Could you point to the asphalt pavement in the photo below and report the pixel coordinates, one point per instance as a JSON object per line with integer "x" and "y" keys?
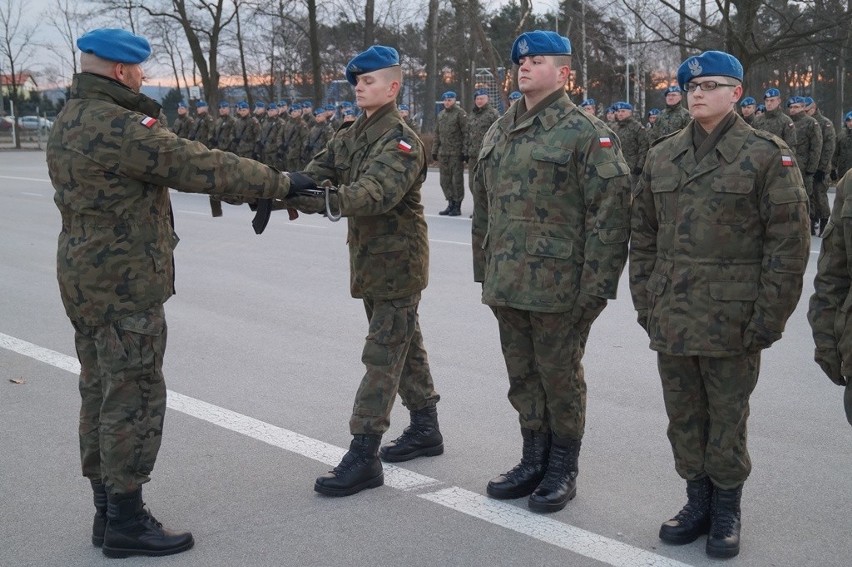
{"x": 262, "y": 365}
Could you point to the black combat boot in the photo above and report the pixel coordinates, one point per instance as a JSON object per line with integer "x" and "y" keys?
{"x": 559, "y": 484}
{"x": 694, "y": 518}
{"x": 359, "y": 469}
{"x": 99, "y": 525}
{"x": 724, "y": 538}
{"x": 449, "y": 208}
{"x": 813, "y": 226}
{"x": 132, "y": 530}
{"x": 420, "y": 439}
{"x": 822, "y": 223}
{"x": 522, "y": 480}
{"x": 456, "y": 209}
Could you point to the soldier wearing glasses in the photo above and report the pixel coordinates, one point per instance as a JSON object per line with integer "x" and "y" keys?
{"x": 719, "y": 246}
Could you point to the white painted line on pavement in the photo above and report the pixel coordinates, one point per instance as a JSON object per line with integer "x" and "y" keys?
{"x": 31, "y": 194}
{"x": 24, "y": 179}
{"x": 450, "y": 242}
{"x": 542, "y": 528}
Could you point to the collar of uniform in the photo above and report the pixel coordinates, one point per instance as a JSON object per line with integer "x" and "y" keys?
{"x": 90, "y": 85}
{"x": 734, "y": 140}
{"x": 548, "y": 113}
{"x": 376, "y": 125}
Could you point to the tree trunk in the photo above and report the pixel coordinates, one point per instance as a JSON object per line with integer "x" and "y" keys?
{"x": 431, "y": 67}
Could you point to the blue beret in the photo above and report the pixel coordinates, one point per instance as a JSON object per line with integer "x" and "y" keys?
{"x": 795, "y": 100}
{"x": 115, "y": 45}
{"x": 709, "y": 63}
{"x": 622, "y": 106}
{"x": 329, "y": 108}
{"x": 654, "y": 112}
{"x": 224, "y": 104}
{"x": 319, "y": 110}
{"x": 242, "y": 105}
{"x": 283, "y": 104}
{"x": 480, "y": 92}
{"x": 295, "y": 106}
{"x": 346, "y": 104}
{"x": 181, "y": 104}
{"x": 848, "y": 116}
{"x": 771, "y": 92}
{"x": 403, "y": 107}
{"x": 349, "y": 112}
{"x": 515, "y": 95}
{"x": 307, "y": 104}
{"x": 259, "y": 104}
{"x": 448, "y": 94}
{"x": 809, "y": 100}
{"x": 588, "y": 102}
{"x": 200, "y": 104}
{"x": 748, "y": 101}
{"x": 539, "y": 42}
{"x": 672, "y": 89}
{"x": 761, "y": 107}
{"x": 375, "y": 58}
{"x": 272, "y": 106}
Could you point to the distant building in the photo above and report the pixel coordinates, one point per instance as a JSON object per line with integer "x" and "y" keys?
{"x": 26, "y": 85}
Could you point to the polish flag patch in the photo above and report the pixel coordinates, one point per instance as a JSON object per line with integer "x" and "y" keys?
{"x": 786, "y": 161}
{"x": 404, "y": 146}
{"x": 148, "y": 122}
{"x": 605, "y": 142}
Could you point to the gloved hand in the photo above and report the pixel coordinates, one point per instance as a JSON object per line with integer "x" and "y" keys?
{"x": 637, "y": 170}
{"x": 434, "y": 157}
{"x": 586, "y": 310}
{"x": 757, "y": 337}
{"x": 834, "y": 175}
{"x": 829, "y": 360}
{"x": 819, "y": 176}
{"x": 308, "y": 204}
{"x": 300, "y": 184}
{"x": 464, "y": 158}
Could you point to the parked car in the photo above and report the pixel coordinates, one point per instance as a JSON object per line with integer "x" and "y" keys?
{"x": 34, "y": 123}
{"x": 5, "y": 123}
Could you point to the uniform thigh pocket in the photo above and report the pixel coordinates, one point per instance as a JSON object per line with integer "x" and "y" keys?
{"x": 139, "y": 343}
{"x": 391, "y": 325}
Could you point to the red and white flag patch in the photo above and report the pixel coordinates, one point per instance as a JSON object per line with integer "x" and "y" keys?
{"x": 605, "y": 142}
{"x": 148, "y": 122}
{"x": 404, "y": 146}
{"x": 786, "y": 161}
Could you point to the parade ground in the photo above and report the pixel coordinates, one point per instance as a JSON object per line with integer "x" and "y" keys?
{"x": 263, "y": 361}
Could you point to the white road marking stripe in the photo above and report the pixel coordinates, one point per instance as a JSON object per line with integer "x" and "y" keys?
{"x": 24, "y": 178}
{"x": 31, "y": 194}
{"x": 548, "y": 530}
{"x": 450, "y": 242}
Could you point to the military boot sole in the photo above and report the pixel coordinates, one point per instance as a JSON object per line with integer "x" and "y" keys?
{"x": 519, "y": 491}
{"x": 685, "y": 537}
{"x": 119, "y": 552}
{"x": 721, "y": 551}
{"x": 390, "y": 457}
{"x": 374, "y": 482}
{"x": 548, "y": 507}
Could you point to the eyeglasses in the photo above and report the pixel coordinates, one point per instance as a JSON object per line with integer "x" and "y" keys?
{"x": 705, "y": 86}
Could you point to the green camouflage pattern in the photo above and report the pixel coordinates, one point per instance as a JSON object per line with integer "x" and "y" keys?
{"x": 379, "y": 165}
{"x": 183, "y": 126}
{"x": 318, "y": 136}
{"x": 291, "y": 139}
{"x": 452, "y": 177}
{"x": 450, "y": 132}
{"x": 111, "y": 174}
{"x": 828, "y": 311}
{"x": 670, "y": 120}
{"x": 808, "y": 143}
{"x": 843, "y": 152}
{"x": 264, "y": 149}
{"x": 777, "y": 123}
{"x": 478, "y": 123}
{"x": 123, "y": 398}
{"x": 408, "y": 122}
{"x": 202, "y": 129}
{"x": 395, "y": 361}
{"x": 706, "y": 400}
{"x": 718, "y": 248}
{"x": 634, "y": 143}
{"x": 551, "y": 210}
{"x": 246, "y": 132}
{"x": 822, "y": 209}
{"x": 223, "y": 134}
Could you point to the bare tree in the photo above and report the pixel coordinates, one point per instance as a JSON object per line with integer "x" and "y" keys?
{"x": 369, "y": 23}
{"x": 431, "y": 66}
{"x": 71, "y": 22}
{"x": 16, "y": 45}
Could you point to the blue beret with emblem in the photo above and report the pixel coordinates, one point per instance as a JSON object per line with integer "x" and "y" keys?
{"x": 761, "y": 108}
{"x": 346, "y": 104}
{"x": 307, "y": 104}
{"x": 375, "y": 58}
{"x": 795, "y": 100}
{"x": 848, "y": 116}
{"x": 588, "y": 102}
{"x": 329, "y": 108}
{"x": 260, "y": 104}
{"x": 200, "y": 104}
{"x": 748, "y": 101}
{"x": 480, "y": 92}
{"x": 181, "y": 104}
{"x": 539, "y": 42}
{"x": 349, "y": 112}
{"x": 654, "y": 112}
{"x": 295, "y": 106}
{"x": 672, "y": 89}
{"x": 709, "y": 64}
{"x": 448, "y": 95}
{"x": 318, "y": 111}
{"x": 272, "y": 106}
{"x": 809, "y": 100}
{"x": 771, "y": 93}
{"x": 116, "y": 45}
{"x": 242, "y": 105}
{"x": 515, "y": 95}
{"x": 224, "y": 104}
{"x": 621, "y": 105}
{"x": 403, "y": 107}
{"x": 283, "y": 104}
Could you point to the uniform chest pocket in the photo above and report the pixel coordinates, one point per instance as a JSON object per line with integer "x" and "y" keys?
{"x": 665, "y": 197}
{"x": 548, "y": 173}
{"x": 732, "y": 199}
{"x": 482, "y": 162}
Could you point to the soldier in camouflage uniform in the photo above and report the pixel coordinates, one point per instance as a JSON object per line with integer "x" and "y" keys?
{"x": 264, "y": 149}
{"x": 829, "y": 319}
{"x": 291, "y": 139}
{"x": 378, "y": 165}
{"x": 203, "y": 125}
{"x": 719, "y": 245}
{"x": 808, "y": 149}
{"x": 246, "y": 131}
{"x": 748, "y": 106}
{"x": 404, "y": 113}
{"x": 674, "y": 116}
{"x": 184, "y": 122}
{"x": 480, "y": 120}
{"x": 774, "y": 121}
{"x": 821, "y": 177}
{"x": 318, "y": 136}
{"x": 223, "y": 134}
{"x": 448, "y": 150}
{"x": 550, "y": 230}
{"x": 633, "y": 137}
{"x": 115, "y": 270}
{"x": 843, "y": 150}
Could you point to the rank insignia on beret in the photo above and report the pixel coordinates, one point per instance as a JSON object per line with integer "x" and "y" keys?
{"x": 605, "y": 142}
{"x": 404, "y": 146}
{"x": 523, "y": 47}
{"x": 148, "y": 122}
{"x": 787, "y": 161}
{"x": 695, "y": 67}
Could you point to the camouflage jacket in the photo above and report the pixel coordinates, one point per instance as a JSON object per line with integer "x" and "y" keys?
{"x": 318, "y": 136}
{"x": 223, "y": 135}
{"x": 634, "y": 143}
{"x": 808, "y": 142}
{"x": 291, "y": 139}
{"x": 183, "y": 126}
{"x": 378, "y": 165}
{"x": 718, "y": 249}
{"x": 246, "y": 132}
{"x": 450, "y": 132}
{"x": 478, "y": 123}
{"x": 111, "y": 166}
{"x": 777, "y": 123}
{"x": 551, "y": 210}
{"x": 408, "y": 122}
{"x": 843, "y": 152}
{"x": 828, "y": 312}
{"x": 829, "y": 141}
{"x": 670, "y": 120}
{"x": 266, "y": 139}
{"x": 202, "y": 129}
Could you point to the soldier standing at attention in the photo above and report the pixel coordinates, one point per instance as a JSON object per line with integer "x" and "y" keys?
{"x": 653, "y": 114}
{"x": 634, "y": 139}
{"x": 480, "y": 120}
{"x": 223, "y": 135}
{"x": 808, "y": 150}
{"x": 832, "y": 290}
{"x": 550, "y": 229}
{"x": 773, "y": 119}
{"x": 184, "y": 122}
{"x": 318, "y": 136}
{"x": 589, "y": 105}
{"x": 843, "y": 151}
{"x": 449, "y": 151}
{"x": 821, "y": 177}
{"x": 674, "y": 116}
{"x": 747, "y": 106}
{"x": 378, "y": 165}
{"x": 115, "y": 270}
{"x": 246, "y": 131}
{"x": 718, "y": 248}
{"x": 203, "y": 126}
{"x": 264, "y": 149}
{"x": 404, "y": 113}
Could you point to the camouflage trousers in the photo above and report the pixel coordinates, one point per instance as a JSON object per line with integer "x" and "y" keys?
{"x": 707, "y": 404}
{"x": 819, "y": 200}
{"x": 543, "y": 354}
{"x": 123, "y": 398}
{"x": 396, "y": 362}
{"x": 452, "y": 177}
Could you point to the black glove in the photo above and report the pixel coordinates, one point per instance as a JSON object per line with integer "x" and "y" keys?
{"x": 834, "y": 175}
{"x": 301, "y": 184}
{"x": 819, "y": 176}
{"x": 464, "y": 158}
{"x": 434, "y": 157}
